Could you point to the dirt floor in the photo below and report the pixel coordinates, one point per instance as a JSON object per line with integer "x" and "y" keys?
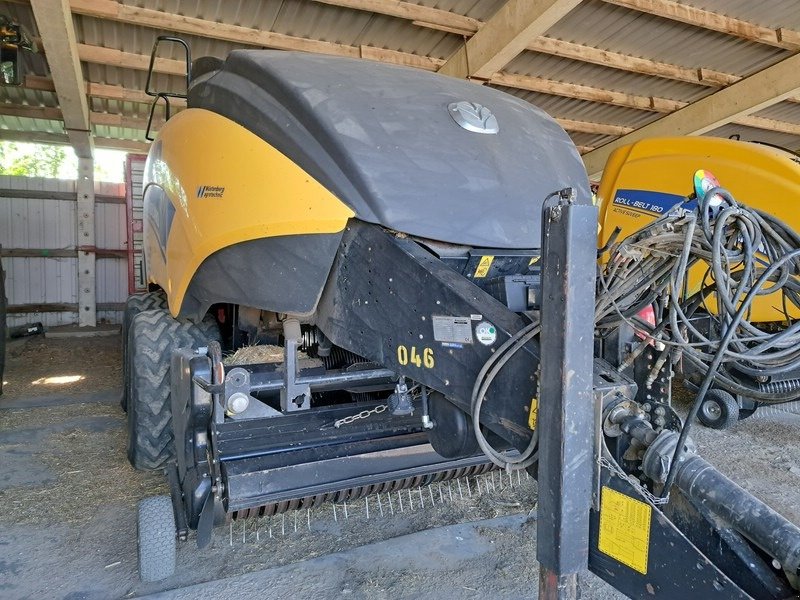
{"x": 68, "y": 525}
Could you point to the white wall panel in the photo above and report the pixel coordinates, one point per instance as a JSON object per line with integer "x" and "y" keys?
{"x": 49, "y": 223}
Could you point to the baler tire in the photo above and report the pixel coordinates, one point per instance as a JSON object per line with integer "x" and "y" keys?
{"x": 719, "y": 409}
{"x": 156, "y": 538}
{"x": 135, "y": 304}
{"x": 154, "y": 334}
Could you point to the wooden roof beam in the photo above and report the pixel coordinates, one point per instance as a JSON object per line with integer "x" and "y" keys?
{"x": 648, "y": 103}
{"x": 43, "y": 137}
{"x": 585, "y": 92}
{"x": 95, "y": 118}
{"x": 443, "y": 20}
{"x": 124, "y": 13}
{"x": 54, "y": 21}
{"x": 683, "y": 13}
{"x": 147, "y": 17}
{"x": 507, "y": 33}
{"x": 424, "y": 16}
{"x": 99, "y": 90}
{"x": 594, "y": 128}
{"x": 765, "y": 88}
{"x": 634, "y": 64}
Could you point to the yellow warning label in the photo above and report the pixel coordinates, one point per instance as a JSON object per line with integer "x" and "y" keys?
{"x": 483, "y": 266}
{"x": 533, "y": 416}
{"x": 624, "y": 529}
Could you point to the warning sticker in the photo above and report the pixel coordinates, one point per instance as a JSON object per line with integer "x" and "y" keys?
{"x": 533, "y": 415}
{"x": 624, "y": 529}
{"x": 455, "y": 330}
{"x": 483, "y": 266}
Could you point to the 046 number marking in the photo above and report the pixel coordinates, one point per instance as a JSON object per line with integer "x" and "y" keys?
{"x": 412, "y": 355}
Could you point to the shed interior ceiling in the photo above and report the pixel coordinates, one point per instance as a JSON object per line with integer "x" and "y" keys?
{"x": 608, "y": 67}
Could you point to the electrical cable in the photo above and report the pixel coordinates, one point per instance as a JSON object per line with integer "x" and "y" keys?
{"x": 489, "y": 372}
{"x": 737, "y": 245}
{"x": 747, "y": 254}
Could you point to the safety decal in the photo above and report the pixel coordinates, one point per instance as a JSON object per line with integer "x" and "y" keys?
{"x": 533, "y": 415}
{"x": 624, "y": 529}
{"x": 483, "y": 266}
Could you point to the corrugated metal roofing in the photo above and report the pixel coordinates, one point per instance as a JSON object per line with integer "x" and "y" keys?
{"x": 594, "y": 23}
{"x": 773, "y": 13}
{"x": 601, "y": 25}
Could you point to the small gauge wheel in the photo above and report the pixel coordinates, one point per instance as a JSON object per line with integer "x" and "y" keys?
{"x": 719, "y": 409}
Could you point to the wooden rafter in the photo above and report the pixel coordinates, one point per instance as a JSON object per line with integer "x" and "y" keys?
{"x": 647, "y": 103}
{"x": 44, "y": 137}
{"x": 129, "y": 60}
{"x": 585, "y": 92}
{"x": 445, "y": 21}
{"x": 536, "y": 84}
{"x": 594, "y": 128}
{"x": 436, "y": 18}
{"x": 118, "y": 120}
{"x": 54, "y": 21}
{"x": 765, "y": 88}
{"x": 633, "y": 64}
{"x": 146, "y": 17}
{"x": 684, "y": 13}
{"x": 98, "y": 90}
{"x": 423, "y": 16}
{"x": 507, "y": 33}
{"x": 95, "y": 117}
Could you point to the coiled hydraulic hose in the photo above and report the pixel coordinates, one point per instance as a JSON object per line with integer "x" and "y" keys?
{"x": 746, "y": 254}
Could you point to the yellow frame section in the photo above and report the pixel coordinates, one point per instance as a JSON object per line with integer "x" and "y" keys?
{"x": 263, "y": 194}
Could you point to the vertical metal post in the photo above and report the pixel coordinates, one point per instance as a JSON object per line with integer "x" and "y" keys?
{"x": 87, "y": 297}
{"x": 565, "y": 413}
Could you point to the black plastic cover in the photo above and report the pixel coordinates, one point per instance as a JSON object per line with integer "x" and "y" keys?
{"x": 382, "y": 139}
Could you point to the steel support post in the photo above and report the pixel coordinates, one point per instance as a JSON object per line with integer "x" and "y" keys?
{"x": 565, "y": 411}
{"x": 87, "y": 297}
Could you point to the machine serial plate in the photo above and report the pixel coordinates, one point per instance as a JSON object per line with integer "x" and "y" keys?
{"x": 453, "y": 330}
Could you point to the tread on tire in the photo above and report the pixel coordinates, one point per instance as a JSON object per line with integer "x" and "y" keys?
{"x": 135, "y": 304}
{"x": 156, "y": 538}
{"x": 154, "y": 334}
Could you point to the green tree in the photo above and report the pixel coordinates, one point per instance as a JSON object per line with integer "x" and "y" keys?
{"x": 31, "y": 161}
{"x": 45, "y": 160}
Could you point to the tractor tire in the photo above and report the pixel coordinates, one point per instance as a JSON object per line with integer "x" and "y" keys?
{"x": 153, "y": 336}
{"x": 156, "y": 534}
{"x": 719, "y": 409}
{"x": 133, "y": 306}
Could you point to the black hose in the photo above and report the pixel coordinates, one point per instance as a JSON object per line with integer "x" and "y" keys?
{"x": 747, "y": 254}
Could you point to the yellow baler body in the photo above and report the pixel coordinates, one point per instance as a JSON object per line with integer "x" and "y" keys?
{"x": 225, "y": 185}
